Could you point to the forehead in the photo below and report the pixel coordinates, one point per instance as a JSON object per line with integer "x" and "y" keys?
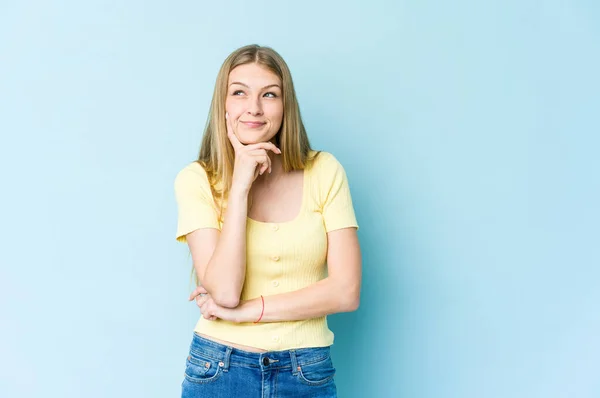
{"x": 253, "y": 75}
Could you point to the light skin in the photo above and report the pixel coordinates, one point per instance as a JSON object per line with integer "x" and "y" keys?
{"x": 254, "y": 95}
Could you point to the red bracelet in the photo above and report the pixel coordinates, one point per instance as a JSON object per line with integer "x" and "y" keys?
{"x": 263, "y": 309}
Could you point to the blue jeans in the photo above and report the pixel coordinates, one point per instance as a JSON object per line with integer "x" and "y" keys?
{"x": 215, "y": 370}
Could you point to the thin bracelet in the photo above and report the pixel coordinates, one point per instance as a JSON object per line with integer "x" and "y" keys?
{"x": 263, "y": 309}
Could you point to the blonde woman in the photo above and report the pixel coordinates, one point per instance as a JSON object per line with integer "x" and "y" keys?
{"x": 272, "y": 234}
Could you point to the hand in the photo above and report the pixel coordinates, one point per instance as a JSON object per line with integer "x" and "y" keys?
{"x": 250, "y": 160}
{"x": 246, "y": 311}
{"x": 208, "y": 308}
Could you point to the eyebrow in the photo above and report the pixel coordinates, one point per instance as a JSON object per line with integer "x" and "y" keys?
{"x": 245, "y": 85}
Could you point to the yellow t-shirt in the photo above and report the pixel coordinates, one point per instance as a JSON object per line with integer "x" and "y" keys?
{"x": 280, "y": 257}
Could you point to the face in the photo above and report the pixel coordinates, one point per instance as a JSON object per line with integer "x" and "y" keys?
{"x": 254, "y": 103}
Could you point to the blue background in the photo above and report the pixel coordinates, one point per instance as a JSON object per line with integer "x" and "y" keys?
{"x": 469, "y": 132}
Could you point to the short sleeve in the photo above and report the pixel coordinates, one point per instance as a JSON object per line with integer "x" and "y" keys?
{"x": 195, "y": 205}
{"x": 338, "y": 211}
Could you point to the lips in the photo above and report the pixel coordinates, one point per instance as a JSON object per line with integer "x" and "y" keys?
{"x": 253, "y": 124}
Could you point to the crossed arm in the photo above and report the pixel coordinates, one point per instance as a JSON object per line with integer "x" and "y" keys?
{"x": 218, "y": 297}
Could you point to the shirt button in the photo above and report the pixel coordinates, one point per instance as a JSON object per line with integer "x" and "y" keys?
{"x": 275, "y": 227}
{"x": 275, "y": 283}
{"x": 275, "y": 338}
{"x": 275, "y": 258}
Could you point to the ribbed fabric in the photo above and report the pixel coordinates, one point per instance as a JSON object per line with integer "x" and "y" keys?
{"x": 280, "y": 257}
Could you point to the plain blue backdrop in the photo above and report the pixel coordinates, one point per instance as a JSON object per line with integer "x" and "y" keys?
{"x": 469, "y": 132}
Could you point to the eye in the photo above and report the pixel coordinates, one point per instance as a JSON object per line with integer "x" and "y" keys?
{"x": 271, "y": 93}
{"x": 237, "y": 92}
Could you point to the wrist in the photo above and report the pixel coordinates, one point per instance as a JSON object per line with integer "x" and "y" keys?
{"x": 238, "y": 192}
{"x": 262, "y": 309}
{"x": 251, "y": 310}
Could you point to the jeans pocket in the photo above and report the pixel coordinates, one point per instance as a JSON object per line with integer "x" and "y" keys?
{"x": 201, "y": 369}
{"x": 316, "y": 373}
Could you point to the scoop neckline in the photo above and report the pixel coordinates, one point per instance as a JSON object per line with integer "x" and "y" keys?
{"x": 302, "y": 204}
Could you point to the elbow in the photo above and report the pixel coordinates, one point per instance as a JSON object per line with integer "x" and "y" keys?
{"x": 222, "y": 296}
{"x": 347, "y": 295}
{"x": 350, "y": 301}
{"x": 351, "y": 305}
{"x": 226, "y": 300}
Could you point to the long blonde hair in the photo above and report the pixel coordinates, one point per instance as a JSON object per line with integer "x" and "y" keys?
{"x": 216, "y": 154}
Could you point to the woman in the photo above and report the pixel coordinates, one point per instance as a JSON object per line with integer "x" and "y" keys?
{"x": 272, "y": 233}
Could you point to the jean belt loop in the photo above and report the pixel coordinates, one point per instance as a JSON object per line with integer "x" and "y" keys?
{"x": 227, "y": 359}
{"x": 294, "y": 362}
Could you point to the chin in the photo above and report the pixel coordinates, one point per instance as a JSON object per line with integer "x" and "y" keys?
{"x": 248, "y": 140}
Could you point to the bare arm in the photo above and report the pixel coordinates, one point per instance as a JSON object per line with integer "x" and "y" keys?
{"x": 339, "y": 292}
{"x": 220, "y": 257}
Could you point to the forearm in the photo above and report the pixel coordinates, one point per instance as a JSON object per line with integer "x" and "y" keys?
{"x": 225, "y": 272}
{"x": 322, "y": 298}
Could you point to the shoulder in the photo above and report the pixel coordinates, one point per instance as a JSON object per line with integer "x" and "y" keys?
{"x": 327, "y": 174}
{"x": 322, "y": 160}
{"x": 192, "y": 173}
{"x": 325, "y": 164}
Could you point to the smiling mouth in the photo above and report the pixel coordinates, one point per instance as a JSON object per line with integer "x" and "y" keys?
{"x": 254, "y": 124}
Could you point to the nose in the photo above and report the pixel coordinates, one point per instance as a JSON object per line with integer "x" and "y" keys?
{"x": 255, "y": 107}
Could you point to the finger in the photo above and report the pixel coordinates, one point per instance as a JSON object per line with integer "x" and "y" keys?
{"x": 200, "y": 300}
{"x": 266, "y": 165}
{"x": 206, "y": 303}
{"x": 262, "y": 166}
{"x": 268, "y": 146}
{"x": 207, "y": 314}
{"x": 198, "y": 290}
{"x": 235, "y": 142}
{"x": 204, "y": 309}
{"x": 193, "y": 295}
{"x": 212, "y": 314}
{"x": 262, "y": 158}
{"x": 200, "y": 303}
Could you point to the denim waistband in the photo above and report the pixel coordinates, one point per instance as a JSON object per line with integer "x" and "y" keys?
{"x": 292, "y": 358}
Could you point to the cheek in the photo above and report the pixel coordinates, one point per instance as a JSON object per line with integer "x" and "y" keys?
{"x": 276, "y": 112}
{"x": 233, "y": 108}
